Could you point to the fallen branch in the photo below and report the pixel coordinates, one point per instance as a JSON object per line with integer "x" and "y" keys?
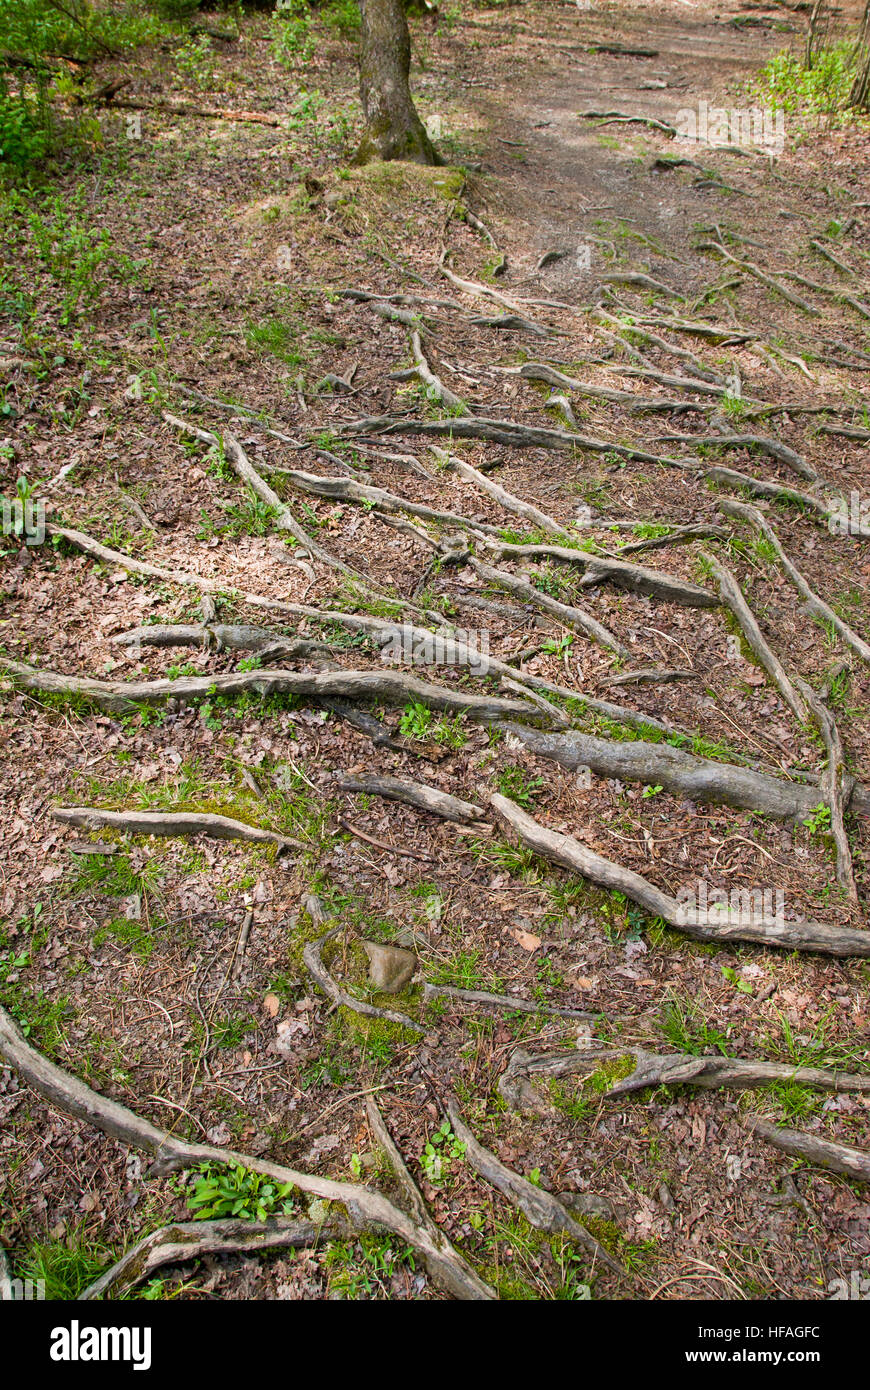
{"x": 823, "y": 1153}
{"x": 383, "y": 844}
{"x": 169, "y": 824}
{"x": 651, "y": 675}
{"x": 183, "y": 108}
{"x": 806, "y": 935}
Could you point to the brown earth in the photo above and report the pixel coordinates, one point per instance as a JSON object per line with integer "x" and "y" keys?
{"x": 124, "y": 966}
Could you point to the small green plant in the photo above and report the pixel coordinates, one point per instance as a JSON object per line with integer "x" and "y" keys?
{"x": 416, "y": 721}
{"x": 292, "y": 40}
{"x": 818, "y": 822}
{"x": 730, "y": 974}
{"x": 65, "y": 1267}
{"x": 194, "y": 62}
{"x": 516, "y": 783}
{"x": 558, "y": 646}
{"x": 236, "y": 1191}
{"x": 441, "y": 1150}
{"x": 685, "y": 1028}
{"x": 652, "y": 791}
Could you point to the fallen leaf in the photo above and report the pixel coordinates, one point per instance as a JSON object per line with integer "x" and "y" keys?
{"x": 271, "y": 1004}
{"x": 526, "y": 939}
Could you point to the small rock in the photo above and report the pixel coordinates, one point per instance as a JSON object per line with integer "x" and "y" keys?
{"x": 390, "y": 969}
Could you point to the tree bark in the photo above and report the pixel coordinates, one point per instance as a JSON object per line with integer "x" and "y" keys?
{"x": 860, "y": 93}
{"x": 393, "y": 128}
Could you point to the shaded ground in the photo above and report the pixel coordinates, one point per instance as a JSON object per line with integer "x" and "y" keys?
{"x": 239, "y": 242}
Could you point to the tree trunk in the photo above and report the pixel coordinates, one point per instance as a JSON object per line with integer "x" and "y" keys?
{"x": 393, "y": 128}
{"x": 860, "y": 93}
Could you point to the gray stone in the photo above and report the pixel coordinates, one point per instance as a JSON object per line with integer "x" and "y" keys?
{"x": 390, "y": 969}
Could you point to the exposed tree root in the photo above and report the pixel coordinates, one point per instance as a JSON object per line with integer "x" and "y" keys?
{"x": 568, "y": 614}
{"x": 771, "y": 447}
{"x": 728, "y": 925}
{"x": 540, "y": 1208}
{"x": 823, "y": 1153}
{"x": 506, "y": 499}
{"x": 182, "y": 1241}
{"x": 169, "y": 824}
{"x": 636, "y": 578}
{"x": 98, "y": 551}
{"x": 812, "y": 602}
{"x": 775, "y": 491}
{"x": 751, "y": 269}
{"x": 506, "y": 432}
{"x": 340, "y": 997}
{"x": 677, "y": 535}
{"x": 662, "y": 1069}
{"x": 514, "y": 323}
{"x": 467, "y": 1284}
{"x": 348, "y": 489}
{"x": 417, "y": 794}
{"x": 284, "y": 518}
{"x": 433, "y": 383}
{"x": 621, "y": 118}
{"x": 230, "y": 636}
{"x": 387, "y": 686}
{"x": 366, "y": 1209}
{"x": 635, "y": 280}
{"x": 831, "y": 786}
{"x": 731, "y": 595}
{"x": 685, "y": 774}
{"x": 502, "y": 1001}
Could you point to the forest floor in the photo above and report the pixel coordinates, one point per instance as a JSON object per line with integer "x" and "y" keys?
{"x": 199, "y": 267}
